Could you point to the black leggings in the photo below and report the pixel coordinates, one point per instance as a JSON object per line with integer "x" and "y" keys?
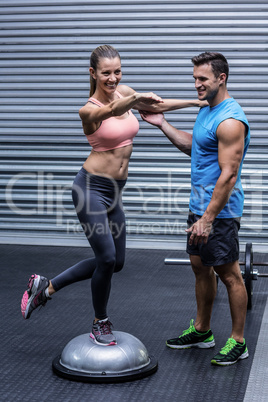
{"x": 98, "y": 204}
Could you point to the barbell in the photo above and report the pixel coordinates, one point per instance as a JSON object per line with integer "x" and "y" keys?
{"x": 249, "y": 274}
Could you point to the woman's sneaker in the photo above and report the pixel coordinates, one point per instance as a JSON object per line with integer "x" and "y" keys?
{"x": 102, "y": 333}
{"x": 190, "y": 338}
{"x": 35, "y": 295}
{"x": 231, "y": 353}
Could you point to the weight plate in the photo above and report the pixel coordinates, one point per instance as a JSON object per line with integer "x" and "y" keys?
{"x": 248, "y": 275}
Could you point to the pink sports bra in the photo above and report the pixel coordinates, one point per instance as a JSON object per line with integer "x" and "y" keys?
{"x": 113, "y": 132}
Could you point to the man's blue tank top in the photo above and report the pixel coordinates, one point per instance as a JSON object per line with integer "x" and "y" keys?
{"x": 205, "y": 169}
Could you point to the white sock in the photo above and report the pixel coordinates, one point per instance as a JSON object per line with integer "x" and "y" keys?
{"x": 46, "y": 293}
{"x": 104, "y": 320}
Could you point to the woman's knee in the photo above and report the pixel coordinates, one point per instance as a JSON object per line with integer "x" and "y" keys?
{"x": 119, "y": 264}
{"x": 106, "y": 261}
{"x": 110, "y": 263}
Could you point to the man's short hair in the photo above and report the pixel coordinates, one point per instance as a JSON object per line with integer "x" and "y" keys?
{"x": 217, "y": 61}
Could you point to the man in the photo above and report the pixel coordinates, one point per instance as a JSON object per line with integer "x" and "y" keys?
{"x": 217, "y": 148}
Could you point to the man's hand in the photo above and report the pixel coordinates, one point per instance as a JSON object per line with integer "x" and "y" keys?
{"x": 200, "y": 231}
{"x": 156, "y": 119}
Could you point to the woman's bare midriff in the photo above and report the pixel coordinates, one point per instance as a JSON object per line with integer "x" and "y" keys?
{"x": 113, "y": 163}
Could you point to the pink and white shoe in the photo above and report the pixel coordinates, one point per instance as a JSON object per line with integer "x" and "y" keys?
{"x": 102, "y": 333}
{"x": 35, "y": 295}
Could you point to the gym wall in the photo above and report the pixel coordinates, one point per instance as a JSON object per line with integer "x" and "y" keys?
{"x": 45, "y": 49}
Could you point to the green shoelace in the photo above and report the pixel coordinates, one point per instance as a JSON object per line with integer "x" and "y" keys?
{"x": 189, "y": 330}
{"x": 230, "y": 344}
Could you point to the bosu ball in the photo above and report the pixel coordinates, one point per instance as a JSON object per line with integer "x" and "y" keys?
{"x": 84, "y": 360}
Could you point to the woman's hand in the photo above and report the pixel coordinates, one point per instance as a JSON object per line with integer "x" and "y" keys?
{"x": 202, "y": 103}
{"x": 148, "y": 98}
{"x": 156, "y": 119}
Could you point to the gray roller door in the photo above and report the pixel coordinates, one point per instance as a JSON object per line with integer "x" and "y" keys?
{"x": 45, "y": 48}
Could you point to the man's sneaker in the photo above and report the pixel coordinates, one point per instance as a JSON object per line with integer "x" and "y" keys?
{"x": 190, "y": 338}
{"x": 102, "y": 333}
{"x": 34, "y": 296}
{"x": 231, "y": 353}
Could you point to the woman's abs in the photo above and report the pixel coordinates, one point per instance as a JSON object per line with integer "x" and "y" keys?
{"x": 113, "y": 163}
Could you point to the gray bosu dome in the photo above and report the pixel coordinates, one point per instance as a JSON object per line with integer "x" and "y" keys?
{"x": 83, "y": 360}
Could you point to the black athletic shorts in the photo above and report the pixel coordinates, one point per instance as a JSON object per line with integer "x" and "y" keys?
{"x": 223, "y": 244}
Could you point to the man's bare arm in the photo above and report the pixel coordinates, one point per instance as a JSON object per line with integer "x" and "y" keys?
{"x": 181, "y": 139}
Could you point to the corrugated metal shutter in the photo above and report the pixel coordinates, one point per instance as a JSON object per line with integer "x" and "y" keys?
{"x": 45, "y": 48}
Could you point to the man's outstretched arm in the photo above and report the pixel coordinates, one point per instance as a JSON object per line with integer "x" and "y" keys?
{"x": 181, "y": 139}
